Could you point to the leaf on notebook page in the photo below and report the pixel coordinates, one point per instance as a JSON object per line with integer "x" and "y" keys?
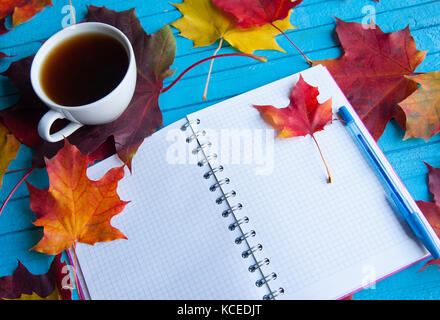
{"x": 9, "y": 146}
{"x": 24, "y": 285}
{"x": 431, "y": 210}
{"x": 257, "y": 13}
{"x": 422, "y": 108}
{"x": 21, "y": 10}
{"x": 372, "y": 72}
{"x": 74, "y": 208}
{"x": 154, "y": 55}
{"x": 304, "y": 115}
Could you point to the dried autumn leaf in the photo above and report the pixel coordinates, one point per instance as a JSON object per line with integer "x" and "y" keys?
{"x": 431, "y": 210}
{"x": 9, "y": 146}
{"x": 372, "y": 72}
{"x": 204, "y": 24}
{"x": 422, "y": 108}
{"x": 433, "y": 262}
{"x": 22, "y": 118}
{"x": 3, "y": 28}
{"x": 25, "y": 285}
{"x": 260, "y": 13}
{"x": 257, "y": 13}
{"x": 304, "y": 115}
{"x": 53, "y": 296}
{"x": 432, "y": 213}
{"x": 74, "y": 208}
{"x": 21, "y": 10}
{"x": 154, "y": 55}
{"x": 434, "y": 183}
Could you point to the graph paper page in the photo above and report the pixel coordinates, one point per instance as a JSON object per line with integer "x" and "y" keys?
{"x": 322, "y": 240}
{"x": 179, "y": 245}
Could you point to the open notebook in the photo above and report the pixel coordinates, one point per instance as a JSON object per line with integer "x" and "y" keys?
{"x": 299, "y": 235}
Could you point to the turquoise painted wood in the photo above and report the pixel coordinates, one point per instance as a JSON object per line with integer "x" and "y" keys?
{"x": 315, "y": 35}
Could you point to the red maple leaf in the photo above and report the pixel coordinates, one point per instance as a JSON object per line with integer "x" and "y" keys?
{"x": 434, "y": 183}
{"x": 256, "y": 13}
{"x": 3, "y": 28}
{"x": 22, "y": 282}
{"x": 372, "y": 71}
{"x": 431, "y": 210}
{"x": 304, "y": 115}
{"x": 154, "y": 55}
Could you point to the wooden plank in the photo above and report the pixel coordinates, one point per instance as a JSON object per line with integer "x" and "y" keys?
{"x": 158, "y": 13}
{"x": 16, "y": 246}
{"x": 406, "y": 285}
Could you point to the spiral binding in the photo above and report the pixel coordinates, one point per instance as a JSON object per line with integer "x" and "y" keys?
{"x": 244, "y": 237}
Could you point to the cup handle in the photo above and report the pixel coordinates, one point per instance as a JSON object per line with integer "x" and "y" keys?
{"x": 46, "y": 123}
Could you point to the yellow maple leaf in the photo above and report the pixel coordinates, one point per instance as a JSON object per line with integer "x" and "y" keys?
{"x": 204, "y": 24}
{"x": 9, "y": 146}
{"x": 53, "y": 296}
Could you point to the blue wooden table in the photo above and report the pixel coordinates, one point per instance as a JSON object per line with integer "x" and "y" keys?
{"x": 315, "y": 35}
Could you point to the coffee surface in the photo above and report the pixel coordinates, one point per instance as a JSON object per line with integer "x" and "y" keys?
{"x": 83, "y": 69}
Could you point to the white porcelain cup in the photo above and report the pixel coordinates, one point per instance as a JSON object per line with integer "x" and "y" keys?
{"x": 104, "y": 110}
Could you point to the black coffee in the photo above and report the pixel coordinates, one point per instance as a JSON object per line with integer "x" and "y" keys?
{"x": 83, "y": 69}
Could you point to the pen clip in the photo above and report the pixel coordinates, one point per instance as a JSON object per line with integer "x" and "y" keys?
{"x": 345, "y": 114}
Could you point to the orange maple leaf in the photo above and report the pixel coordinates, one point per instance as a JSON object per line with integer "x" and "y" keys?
{"x": 422, "y": 107}
{"x": 22, "y": 10}
{"x": 304, "y": 115}
{"x": 74, "y": 208}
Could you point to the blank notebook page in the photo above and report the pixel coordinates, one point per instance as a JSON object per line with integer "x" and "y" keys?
{"x": 323, "y": 240}
{"x": 178, "y": 245}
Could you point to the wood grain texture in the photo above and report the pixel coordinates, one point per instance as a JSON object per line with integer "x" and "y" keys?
{"x": 315, "y": 35}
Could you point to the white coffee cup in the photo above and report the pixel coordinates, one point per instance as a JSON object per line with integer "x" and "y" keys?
{"x": 104, "y": 110}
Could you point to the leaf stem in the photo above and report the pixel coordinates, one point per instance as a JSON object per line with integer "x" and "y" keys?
{"x": 253, "y": 56}
{"x": 299, "y": 50}
{"x": 72, "y": 12}
{"x": 15, "y": 189}
{"x": 210, "y": 70}
{"x": 18, "y": 170}
{"x": 323, "y": 160}
{"x": 75, "y": 263}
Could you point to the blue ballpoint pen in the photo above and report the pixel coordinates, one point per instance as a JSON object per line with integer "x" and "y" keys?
{"x": 418, "y": 224}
